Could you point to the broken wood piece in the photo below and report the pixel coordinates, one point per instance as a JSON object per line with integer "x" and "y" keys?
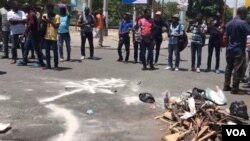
{"x": 166, "y": 121}
{"x": 207, "y": 136}
{"x": 168, "y": 115}
{"x": 202, "y": 131}
{"x": 174, "y": 125}
{"x": 172, "y": 137}
{"x": 160, "y": 116}
{"x": 184, "y": 134}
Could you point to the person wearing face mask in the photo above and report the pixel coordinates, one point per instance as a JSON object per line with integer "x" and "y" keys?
{"x": 175, "y": 31}
{"x": 198, "y": 30}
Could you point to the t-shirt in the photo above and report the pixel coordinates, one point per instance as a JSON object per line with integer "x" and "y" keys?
{"x": 51, "y": 33}
{"x": 64, "y": 25}
{"x": 125, "y": 27}
{"x": 197, "y": 33}
{"x": 88, "y": 20}
{"x": 237, "y": 30}
{"x": 18, "y": 28}
{"x": 100, "y": 21}
{"x": 32, "y": 26}
{"x": 157, "y": 29}
{"x": 146, "y": 27}
{"x": 4, "y": 20}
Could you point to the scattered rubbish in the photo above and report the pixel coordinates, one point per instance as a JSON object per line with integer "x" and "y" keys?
{"x": 198, "y": 115}
{"x": 4, "y": 127}
{"x": 146, "y": 98}
{"x": 89, "y": 112}
{"x": 152, "y": 106}
{"x": 139, "y": 83}
{"x": 115, "y": 91}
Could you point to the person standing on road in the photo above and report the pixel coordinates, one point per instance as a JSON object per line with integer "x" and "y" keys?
{"x": 136, "y": 39}
{"x": 5, "y": 27}
{"x": 86, "y": 22}
{"x": 158, "y": 25}
{"x": 215, "y": 31}
{"x": 17, "y": 19}
{"x": 100, "y": 26}
{"x": 147, "y": 43}
{"x": 124, "y": 39}
{"x": 52, "y": 21}
{"x": 175, "y": 31}
{"x": 32, "y": 37}
{"x": 63, "y": 33}
{"x": 237, "y": 31}
{"x": 198, "y": 30}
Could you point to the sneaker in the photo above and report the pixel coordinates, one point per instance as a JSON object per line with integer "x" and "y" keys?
{"x": 168, "y": 68}
{"x": 152, "y": 68}
{"x": 217, "y": 71}
{"x": 176, "y": 69}
{"x": 119, "y": 60}
{"x": 61, "y": 59}
{"x": 83, "y": 57}
{"x": 198, "y": 70}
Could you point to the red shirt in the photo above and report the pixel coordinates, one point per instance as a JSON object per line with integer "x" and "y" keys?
{"x": 32, "y": 25}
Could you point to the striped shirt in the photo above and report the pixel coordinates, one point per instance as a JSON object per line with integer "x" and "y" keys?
{"x": 197, "y": 33}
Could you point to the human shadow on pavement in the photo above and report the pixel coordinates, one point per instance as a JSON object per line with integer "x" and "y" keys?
{"x": 94, "y": 58}
{"x": 64, "y": 68}
{"x": 2, "y": 72}
{"x": 76, "y": 60}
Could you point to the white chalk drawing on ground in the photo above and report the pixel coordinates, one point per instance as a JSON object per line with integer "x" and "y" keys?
{"x": 4, "y": 98}
{"x": 92, "y": 86}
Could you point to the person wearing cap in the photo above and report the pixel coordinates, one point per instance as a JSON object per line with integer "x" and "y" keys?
{"x": 52, "y": 21}
{"x": 147, "y": 42}
{"x": 175, "y": 31}
{"x": 87, "y": 22}
{"x": 198, "y": 30}
{"x": 214, "y": 30}
{"x": 157, "y": 29}
{"x": 237, "y": 31}
{"x": 124, "y": 39}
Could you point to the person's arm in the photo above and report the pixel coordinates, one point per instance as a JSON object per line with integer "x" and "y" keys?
{"x": 56, "y": 23}
{"x": 11, "y": 20}
{"x": 81, "y": 21}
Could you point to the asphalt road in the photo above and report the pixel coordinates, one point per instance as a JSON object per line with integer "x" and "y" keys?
{"x": 94, "y": 100}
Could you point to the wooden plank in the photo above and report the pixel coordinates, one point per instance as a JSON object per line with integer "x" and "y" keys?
{"x": 168, "y": 115}
{"x": 203, "y": 130}
{"x": 172, "y": 137}
{"x": 207, "y": 136}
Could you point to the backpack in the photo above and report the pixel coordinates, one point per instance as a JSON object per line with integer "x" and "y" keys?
{"x": 239, "y": 109}
{"x": 182, "y": 40}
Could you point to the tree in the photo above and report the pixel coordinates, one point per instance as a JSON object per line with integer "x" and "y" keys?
{"x": 206, "y": 7}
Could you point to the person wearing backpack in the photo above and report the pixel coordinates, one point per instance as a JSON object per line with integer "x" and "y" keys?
{"x": 86, "y": 22}
{"x": 52, "y": 21}
{"x": 147, "y": 43}
{"x": 175, "y": 31}
{"x": 63, "y": 33}
{"x": 124, "y": 39}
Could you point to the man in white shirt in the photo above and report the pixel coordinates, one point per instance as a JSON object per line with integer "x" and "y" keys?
{"x": 17, "y": 19}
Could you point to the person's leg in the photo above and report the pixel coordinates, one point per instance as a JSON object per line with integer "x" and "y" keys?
{"x": 210, "y": 54}
{"x": 60, "y": 41}
{"x": 228, "y": 71}
{"x": 238, "y": 63}
{"x": 217, "y": 55}
{"x": 47, "y": 48}
{"x": 177, "y": 56}
{"x": 6, "y": 43}
{"x": 68, "y": 46}
{"x": 143, "y": 53}
{"x": 55, "y": 51}
{"x": 127, "y": 47}
{"x": 158, "y": 42}
{"x": 119, "y": 49}
{"x": 91, "y": 44}
{"x": 136, "y": 45}
{"x": 199, "y": 53}
{"x": 15, "y": 43}
{"x": 193, "y": 53}
{"x": 151, "y": 54}
{"x": 36, "y": 47}
{"x": 170, "y": 55}
{"x": 101, "y": 37}
{"x": 83, "y": 41}
{"x": 27, "y": 47}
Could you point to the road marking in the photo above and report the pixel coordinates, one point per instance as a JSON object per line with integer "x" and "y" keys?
{"x": 4, "y": 98}
{"x": 131, "y": 100}
{"x": 71, "y": 121}
{"x": 28, "y": 90}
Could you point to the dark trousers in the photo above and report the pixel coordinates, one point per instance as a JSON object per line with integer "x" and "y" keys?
{"x": 89, "y": 36}
{"x": 173, "y": 48}
{"x": 61, "y": 38}
{"x": 32, "y": 43}
{"x": 235, "y": 65}
{"x": 136, "y": 48}
{"x": 126, "y": 42}
{"x": 158, "y": 41}
{"x": 6, "y": 42}
{"x": 147, "y": 44}
{"x": 196, "y": 49}
{"x": 213, "y": 44}
{"x": 51, "y": 45}
{"x": 15, "y": 44}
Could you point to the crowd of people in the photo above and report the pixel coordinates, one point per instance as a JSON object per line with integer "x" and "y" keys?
{"x": 33, "y": 31}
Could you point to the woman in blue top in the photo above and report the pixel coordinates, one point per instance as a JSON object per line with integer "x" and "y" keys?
{"x": 63, "y": 34}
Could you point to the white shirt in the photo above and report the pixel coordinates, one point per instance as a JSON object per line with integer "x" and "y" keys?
{"x": 18, "y": 28}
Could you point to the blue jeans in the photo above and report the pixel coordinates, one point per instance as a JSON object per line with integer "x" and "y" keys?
{"x": 32, "y": 43}
{"x": 147, "y": 44}
{"x": 61, "y": 38}
{"x": 196, "y": 49}
{"x": 15, "y": 44}
{"x": 51, "y": 45}
{"x": 173, "y": 48}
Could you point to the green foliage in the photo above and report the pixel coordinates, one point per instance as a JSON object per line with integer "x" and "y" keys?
{"x": 169, "y": 9}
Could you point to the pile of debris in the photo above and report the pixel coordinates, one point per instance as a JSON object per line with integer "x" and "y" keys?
{"x": 198, "y": 115}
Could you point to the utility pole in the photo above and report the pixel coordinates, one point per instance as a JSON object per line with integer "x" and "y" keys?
{"x": 105, "y": 13}
{"x": 235, "y": 7}
{"x": 85, "y": 4}
{"x": 134, "y": 13}
{"x": 90, "y": 4}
